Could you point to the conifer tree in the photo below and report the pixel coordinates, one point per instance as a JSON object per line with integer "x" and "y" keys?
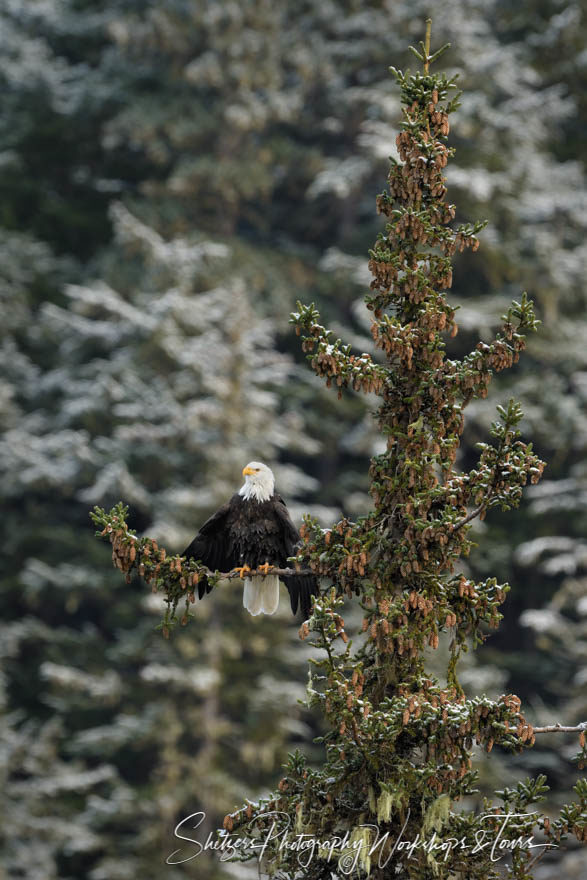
{"x": 400, "y": 743}
{"x": 113, "y": 713}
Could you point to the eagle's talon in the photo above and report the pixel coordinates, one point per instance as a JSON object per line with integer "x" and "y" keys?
{"x": 243, "y": 570}
{"x": 265, "y": 568}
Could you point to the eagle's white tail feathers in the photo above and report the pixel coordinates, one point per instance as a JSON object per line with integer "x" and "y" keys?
{"x": 261, "y": 594}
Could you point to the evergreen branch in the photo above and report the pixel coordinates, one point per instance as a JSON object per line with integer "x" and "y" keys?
{"x": 255, "y": 572}
{"x": 467, "y": 519}
{"x": 426, "y": 46}
{"x": 424, "y": 55}
{"x": 176, "y": 576}
{"x": 115, "y": 527}
{"x": 333, "y": 360}
{"x": 560, "y": 728}
{"x": 503, "y": 470}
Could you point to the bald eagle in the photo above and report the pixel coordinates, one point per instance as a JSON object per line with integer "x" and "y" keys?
{"x": 253, "y": 530}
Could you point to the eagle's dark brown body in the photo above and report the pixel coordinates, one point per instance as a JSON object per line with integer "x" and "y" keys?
{"x": 245, "y": 531}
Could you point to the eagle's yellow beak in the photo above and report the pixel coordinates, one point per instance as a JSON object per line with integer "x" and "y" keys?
{"x": 247, "y": 471}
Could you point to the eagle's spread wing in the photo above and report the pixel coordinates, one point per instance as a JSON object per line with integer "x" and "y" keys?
{"x": 301, "y": 587}
{"x": 212, "y": 547}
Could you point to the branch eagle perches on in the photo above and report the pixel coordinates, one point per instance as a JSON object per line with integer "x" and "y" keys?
{"x": 175, "y": 576}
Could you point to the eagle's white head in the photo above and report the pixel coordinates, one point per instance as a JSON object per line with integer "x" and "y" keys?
{"x": 259, "y": 482}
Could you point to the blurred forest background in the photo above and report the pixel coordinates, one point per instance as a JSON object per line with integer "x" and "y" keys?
{"x": 174, "y": 176}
